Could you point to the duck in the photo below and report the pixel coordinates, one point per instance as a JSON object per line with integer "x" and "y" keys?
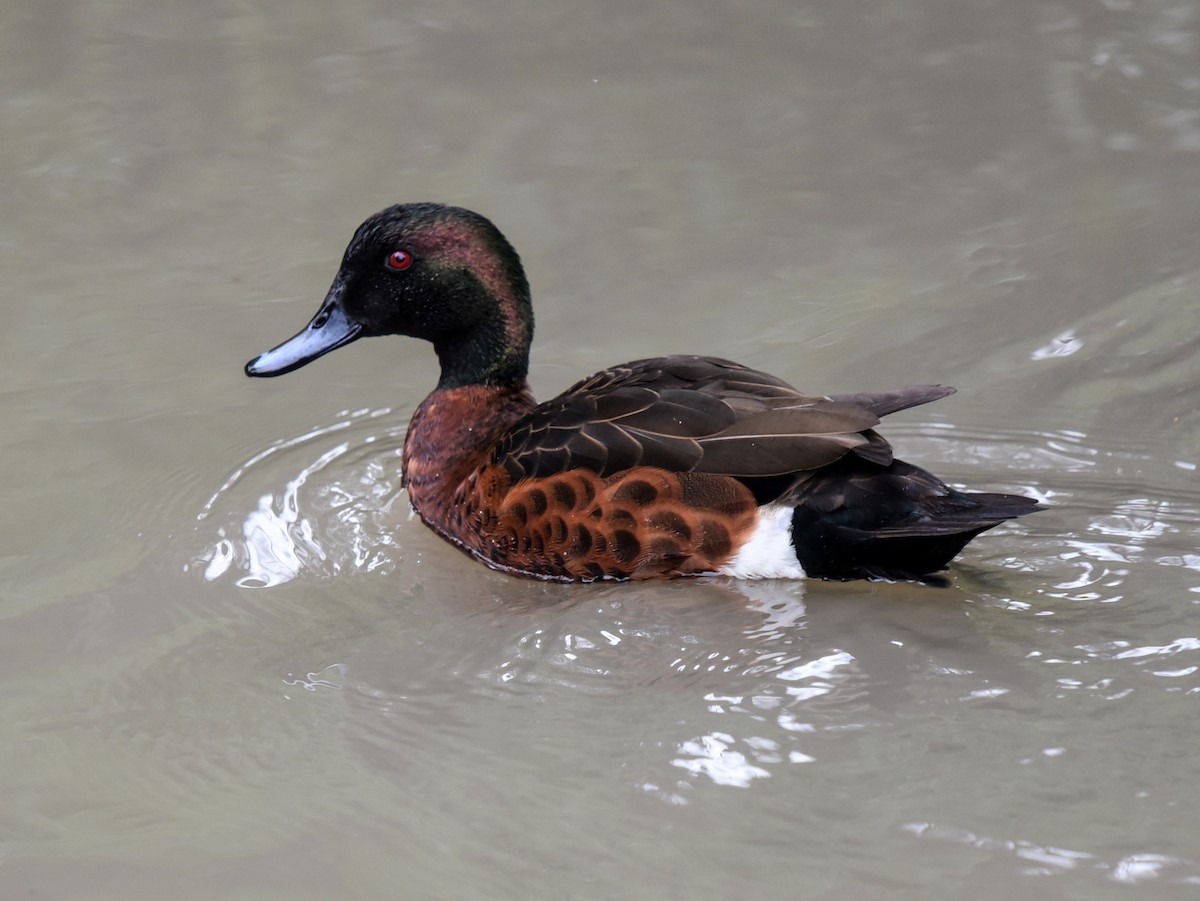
{"x": 666, "y": 467}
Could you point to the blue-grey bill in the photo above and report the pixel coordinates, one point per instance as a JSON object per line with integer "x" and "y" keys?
{"x": 329, "y": 330}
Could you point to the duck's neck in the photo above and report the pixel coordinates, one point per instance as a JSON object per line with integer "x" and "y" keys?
{"x": 449, "y": 437}
{"x": 495, "y": 351}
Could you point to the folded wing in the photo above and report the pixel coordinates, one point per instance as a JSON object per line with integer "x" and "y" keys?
{"x": 699, "y": 414}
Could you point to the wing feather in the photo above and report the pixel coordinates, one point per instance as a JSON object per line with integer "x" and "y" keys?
{"x": 700, "y": 414}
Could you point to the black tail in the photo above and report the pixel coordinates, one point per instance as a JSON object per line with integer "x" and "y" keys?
{"x": 857, "y": 520}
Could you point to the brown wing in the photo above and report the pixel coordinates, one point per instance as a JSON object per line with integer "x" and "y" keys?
{"x": 688, "y": 414}
{"x": 881, "y": 403}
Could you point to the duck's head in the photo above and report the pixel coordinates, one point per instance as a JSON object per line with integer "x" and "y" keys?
{"x": 435, "y": 272}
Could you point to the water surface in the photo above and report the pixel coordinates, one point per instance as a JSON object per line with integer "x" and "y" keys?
{"x": 232, "y": 666}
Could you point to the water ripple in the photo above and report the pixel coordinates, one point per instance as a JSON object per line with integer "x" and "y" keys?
{"x": 1049, "y": 860}
{"x": 334, "y": 510}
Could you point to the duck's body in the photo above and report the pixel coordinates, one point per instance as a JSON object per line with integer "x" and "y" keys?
{"x": 673, "y": 466}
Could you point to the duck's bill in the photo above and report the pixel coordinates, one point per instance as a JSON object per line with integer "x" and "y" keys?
{"x": 329, "y": 330}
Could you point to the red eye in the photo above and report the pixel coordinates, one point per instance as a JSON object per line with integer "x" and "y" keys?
{"x": 399, "y": 259}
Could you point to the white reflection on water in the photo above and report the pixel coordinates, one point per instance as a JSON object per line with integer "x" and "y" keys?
{"x": 332, "y": 511}
{"x": 713, "y": 755}
{"x": 1061, "y": 345}
{"x": 1152, "y": 658}
{"x": 332, "y": 677}
{"x": 1048, "y": 860}
{"x": 717, "y": 755}
{"x": 1175, "y": 647}
{"x": 1109, "y": 544}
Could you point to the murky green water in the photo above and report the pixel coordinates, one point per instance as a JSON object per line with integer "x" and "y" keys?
{"x": 231, "y": 665}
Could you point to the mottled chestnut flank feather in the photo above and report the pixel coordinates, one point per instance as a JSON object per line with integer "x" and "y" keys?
{"x": 669, "y": 466}
{"x": 573, "y": 522}
{"x": 641, "y": 523}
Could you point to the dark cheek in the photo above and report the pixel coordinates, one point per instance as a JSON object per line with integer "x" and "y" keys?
{"x": 358, "y": 295}
{"x": 379, "y": 306}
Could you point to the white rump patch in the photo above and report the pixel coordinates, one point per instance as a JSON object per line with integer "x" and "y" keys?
{"x": 768, "y": 552}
